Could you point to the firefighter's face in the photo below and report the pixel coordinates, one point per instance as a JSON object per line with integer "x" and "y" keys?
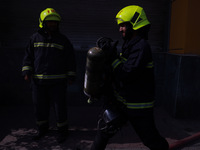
{"x": 122, "y": 29}
{"x": 126, "y": 30}
{"x": 52, "y": 25}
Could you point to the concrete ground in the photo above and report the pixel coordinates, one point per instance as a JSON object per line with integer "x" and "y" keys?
{"x": 18, "y": 126}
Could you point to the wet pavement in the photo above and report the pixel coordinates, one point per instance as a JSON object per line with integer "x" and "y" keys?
{"x": 18, "y": 126}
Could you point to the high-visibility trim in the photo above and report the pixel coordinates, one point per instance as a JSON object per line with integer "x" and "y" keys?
{"x": 27, "y": 68}
{"x": 115, "y": 63}
{"x": 134, "y": 105}
{"x": 62, "y": 124}
{"x": 41, "y": 44}
{"x": 150, "y": 65}
{"x": 140, "y": 105}
{"x": 119, "y": 98}
{"x": 39, "y": 123}
{"x": 71, "y": 73}
{"x": 41, "y": 76}
{"x": 123, "y": 59}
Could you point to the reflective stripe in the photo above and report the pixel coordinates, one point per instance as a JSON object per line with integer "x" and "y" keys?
{"x": 119, "y": 98}
{"x": 115, "y": 63}
{"x": 39, "y": 123}
{"x": 134, "y": 105}
{"x": 27, "y": 68}
{"x": 140, "y": 105}
{"x": 41, "y": 44}
{"x": 41, "y": 76}
{"x": 123, "y": 59}
{"x": 62, "y": 124}
{"x": 71, "y": 73}
{"x": 150, "y": 65}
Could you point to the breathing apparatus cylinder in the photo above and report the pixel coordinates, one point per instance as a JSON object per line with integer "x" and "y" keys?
{"x": 94, "y": 73}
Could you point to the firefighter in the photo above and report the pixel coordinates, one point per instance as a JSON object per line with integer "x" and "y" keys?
{"x": 49, "y": 63}
{"x": 132, "y": 84}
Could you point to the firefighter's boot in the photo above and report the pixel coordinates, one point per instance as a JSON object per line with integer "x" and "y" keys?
{"x": 42, "y": 131}
{"x": 62, "y": 133}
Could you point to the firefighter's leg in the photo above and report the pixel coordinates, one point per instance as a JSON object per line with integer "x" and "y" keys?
{"x": 101, "y": 140}
{"x": 58, "y": 95}
{"x": 108, "y": 125}
{"x": 146, "y": 129}
{"x": 41, "y": 107}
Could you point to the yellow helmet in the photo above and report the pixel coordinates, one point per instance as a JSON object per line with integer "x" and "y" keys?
{"x": 48, "y": 14}
{"x": 133, "y": 14}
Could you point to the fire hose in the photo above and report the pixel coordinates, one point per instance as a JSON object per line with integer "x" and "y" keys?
{"x": 184, "y": 141}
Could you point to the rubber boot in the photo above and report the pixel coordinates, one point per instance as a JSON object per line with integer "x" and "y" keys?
{"x": 42, "y": 131}
{"x": 62, "y": 133}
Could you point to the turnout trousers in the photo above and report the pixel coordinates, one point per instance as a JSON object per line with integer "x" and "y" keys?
{"x": 145, "y": 128}
{"x": 44, "y": 96}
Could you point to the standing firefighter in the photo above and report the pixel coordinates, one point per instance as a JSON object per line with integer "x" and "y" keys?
{"x": 49, "y": 64}
{"x": 132, "y": 83}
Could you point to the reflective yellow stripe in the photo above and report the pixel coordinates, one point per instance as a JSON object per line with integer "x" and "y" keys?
{"x": 39, "y": 123}
{"x": 41, "y": 44}
{"x": 119, "y": 98}
{"x": 41, "y": 76}
{"x": 71, "y": 73}
{"x": 62, "y": 124}
{"x": 140, "y": 105}
{"x": 150, "y": 65}
{"x": 134, "y": 105}
{"x": 123, "y": 59}
{"x": 115, "y": 63}
{"x": 27, "y": 68}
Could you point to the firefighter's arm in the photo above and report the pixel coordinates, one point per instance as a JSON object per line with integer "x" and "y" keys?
{"x": 27, "y": 67}
{"x": 71, "y": 63}
{"x": 109, "y": 47}
{"x": 125, "y": 69}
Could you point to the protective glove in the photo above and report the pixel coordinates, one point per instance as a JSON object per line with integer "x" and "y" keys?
{"x": 109, "y": 47}
{"x": 27, "y": 78}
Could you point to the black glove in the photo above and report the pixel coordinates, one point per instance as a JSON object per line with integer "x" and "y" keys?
{"x": 109, "y": 47}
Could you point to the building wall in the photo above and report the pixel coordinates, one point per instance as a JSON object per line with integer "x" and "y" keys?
{"x": 83, "y": 22}
{"x": 182, "y": 82}
{"x": 178, "y": 84}
{"x": 177, "y": 76}
{"x": 184, "y": 31}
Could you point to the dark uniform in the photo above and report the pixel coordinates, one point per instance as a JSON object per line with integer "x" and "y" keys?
{"x": 134, "y": 90}
{"x": 50, "y": 61}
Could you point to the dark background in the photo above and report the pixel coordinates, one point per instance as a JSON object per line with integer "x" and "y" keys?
{"x": 83, "y": 22}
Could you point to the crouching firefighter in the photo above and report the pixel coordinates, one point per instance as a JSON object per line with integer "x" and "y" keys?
{"x": 129, "y": 95}
{"x": 49, "y": 63}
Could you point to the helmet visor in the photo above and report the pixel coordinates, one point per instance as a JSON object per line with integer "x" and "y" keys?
{"x": 119, "y": 21}
{"x": 52, "y": 18}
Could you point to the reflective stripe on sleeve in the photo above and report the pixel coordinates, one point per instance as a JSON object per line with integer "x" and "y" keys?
{"x": 27, "y": 68}
{"x": 150, "y": 65}
{"x": 115, "y": 63}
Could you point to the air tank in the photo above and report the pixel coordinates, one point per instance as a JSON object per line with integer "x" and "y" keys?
{"x": 94, "y": 73}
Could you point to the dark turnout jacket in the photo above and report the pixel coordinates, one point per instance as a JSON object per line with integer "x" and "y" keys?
{"x": 49, "y": 59}
{"x": 134, "y": 74}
